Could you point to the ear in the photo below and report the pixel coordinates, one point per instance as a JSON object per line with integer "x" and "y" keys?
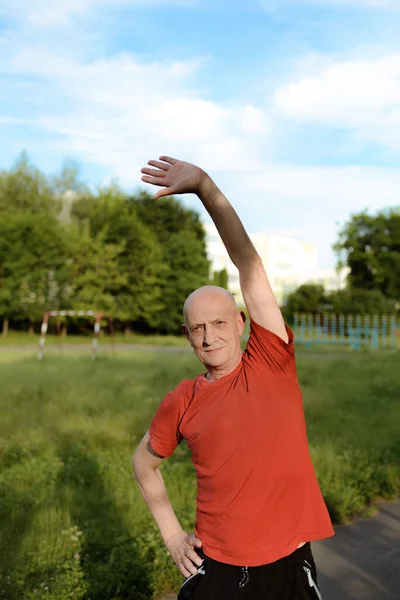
{"x": 241, "y": 322}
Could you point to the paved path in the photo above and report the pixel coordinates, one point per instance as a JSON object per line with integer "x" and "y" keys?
{"x": 362, "y": 561}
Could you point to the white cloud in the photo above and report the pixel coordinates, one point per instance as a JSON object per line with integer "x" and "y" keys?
{"x": 117, "y": 112}
{"x": 376, "y": 4}
{"x": 50, "y": 13}
{"x": 327, "y": 190}
{"x": 7, "y": 120}
{"x": 360, "y": 96}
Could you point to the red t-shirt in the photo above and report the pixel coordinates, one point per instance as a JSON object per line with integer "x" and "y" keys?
{"x": 258, "y": 496}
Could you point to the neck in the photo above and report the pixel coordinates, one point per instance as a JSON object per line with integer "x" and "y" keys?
{"x": 215, "y": 373}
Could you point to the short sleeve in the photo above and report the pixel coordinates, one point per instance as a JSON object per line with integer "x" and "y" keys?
{"x": 164, "y": 428}
{"x": 266, "y": 349}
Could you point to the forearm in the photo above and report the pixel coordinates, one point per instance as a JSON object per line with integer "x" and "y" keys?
{"x": 234, "y": 236}
{"x": 153, "y": 490}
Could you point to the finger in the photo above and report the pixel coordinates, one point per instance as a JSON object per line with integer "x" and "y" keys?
{"x": 184, "y": 571}
{"x": 194, "y": 541}
{"x": 169, "y": 160}
{"x": 187, "y": 563}
{"x": 194, "y": 557}
{"x": 158, "y": 164}
{"x": 153, "y": 172}
{"x": 163, "y": 193}
{"x": 154, "y": 180}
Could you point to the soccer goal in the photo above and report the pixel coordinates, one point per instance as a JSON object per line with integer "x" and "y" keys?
{"x": 90, "y": 314}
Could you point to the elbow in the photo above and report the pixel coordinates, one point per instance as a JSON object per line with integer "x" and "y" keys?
{"x": 252, "y": 262}
{"x": 256, "y": 260}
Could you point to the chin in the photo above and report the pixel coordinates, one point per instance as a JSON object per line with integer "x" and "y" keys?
{"x": 214, "y": 361}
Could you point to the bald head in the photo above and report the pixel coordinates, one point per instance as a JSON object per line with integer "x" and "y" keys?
{"x": 209, "y": 295}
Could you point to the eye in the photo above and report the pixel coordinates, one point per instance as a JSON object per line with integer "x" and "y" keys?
{"x": 220, "y": 322}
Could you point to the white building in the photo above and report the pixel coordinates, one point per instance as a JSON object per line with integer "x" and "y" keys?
{"x": 288, "y": 262}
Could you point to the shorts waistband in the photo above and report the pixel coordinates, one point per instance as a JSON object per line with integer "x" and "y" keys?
{"x": 295, "y": 557}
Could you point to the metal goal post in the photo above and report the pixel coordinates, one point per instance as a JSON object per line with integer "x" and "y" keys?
{"x": 73, "y": 313}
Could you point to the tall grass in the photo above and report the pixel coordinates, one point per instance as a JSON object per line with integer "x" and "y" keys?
{"x": 73, "y": 524}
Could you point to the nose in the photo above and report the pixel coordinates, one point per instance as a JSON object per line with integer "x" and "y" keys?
{"x": 209, "y": 337}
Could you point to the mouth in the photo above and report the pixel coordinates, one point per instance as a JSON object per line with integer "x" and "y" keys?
{"x": 213, "y": 350}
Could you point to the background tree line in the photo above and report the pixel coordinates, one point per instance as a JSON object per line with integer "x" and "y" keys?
{"x": 63, "y": 246}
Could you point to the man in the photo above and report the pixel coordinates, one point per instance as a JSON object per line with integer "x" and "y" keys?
{"x": 258, "y": 502}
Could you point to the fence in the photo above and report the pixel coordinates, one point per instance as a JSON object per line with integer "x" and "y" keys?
{"x": 375, "y": 332}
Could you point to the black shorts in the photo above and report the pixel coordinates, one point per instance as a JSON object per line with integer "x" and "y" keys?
{"x": 293, "y": 577}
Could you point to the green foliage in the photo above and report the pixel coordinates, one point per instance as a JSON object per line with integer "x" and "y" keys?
{"x": 182, "y": 239}
{"x": 63, "y": 581}
{"x": 167, "y": 216}
{"x": 220, "y": 278}
{"x": 358, "y": 301}
{"x": 134, "y": 258}
{"x": 25, "y": 189}
{"x": 94, "y": 272}
{"x": 67, "y": 181}
{"x": 308, "y": 298}
{"x": 33, "y": 275}
{"x": 188, "y": 270}
{"x": 371, "y": 245}
{"x": 139, "y": 296}
{"x": 312, "y": 299}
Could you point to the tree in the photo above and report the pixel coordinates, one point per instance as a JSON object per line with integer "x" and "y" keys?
{"x": 181, "y": 236}
{"x": 110, "y": 215}
{"x": 355, "y": 301}
{"x": 25, "y": 189}
{"x": 371, "y": 247}
{"x": 188, "y": 270}
{"x": 308, "y": 298}
{"x": 220, "y": 278}
{"x": 33, "y": 274}
{"x": 94, "y": 272}
{"x": 167, "y": 216}
{"x": 68, "y": 180}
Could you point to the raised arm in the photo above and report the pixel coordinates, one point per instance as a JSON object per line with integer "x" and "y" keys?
{"x": 178, "y": 177}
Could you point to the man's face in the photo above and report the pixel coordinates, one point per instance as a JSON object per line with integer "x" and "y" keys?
{"x": 213, "y": 327}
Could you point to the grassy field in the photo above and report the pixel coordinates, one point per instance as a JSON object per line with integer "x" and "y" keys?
{"x": 72, "y": 522}
{"x": 22, "y": 338}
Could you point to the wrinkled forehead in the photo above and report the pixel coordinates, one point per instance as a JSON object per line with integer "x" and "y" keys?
{"x": 207, "y": 307}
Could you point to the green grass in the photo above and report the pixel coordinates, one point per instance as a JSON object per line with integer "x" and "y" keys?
{"x": 72, "y": 522}
{"x": 22, "y": 338}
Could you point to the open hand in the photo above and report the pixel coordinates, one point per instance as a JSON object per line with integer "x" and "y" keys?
{"x": 181, "y": 547}
{"x": 176, "y": 176}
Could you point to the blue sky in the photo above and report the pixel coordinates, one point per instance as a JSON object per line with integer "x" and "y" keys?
{"x": 293, "y": 106}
